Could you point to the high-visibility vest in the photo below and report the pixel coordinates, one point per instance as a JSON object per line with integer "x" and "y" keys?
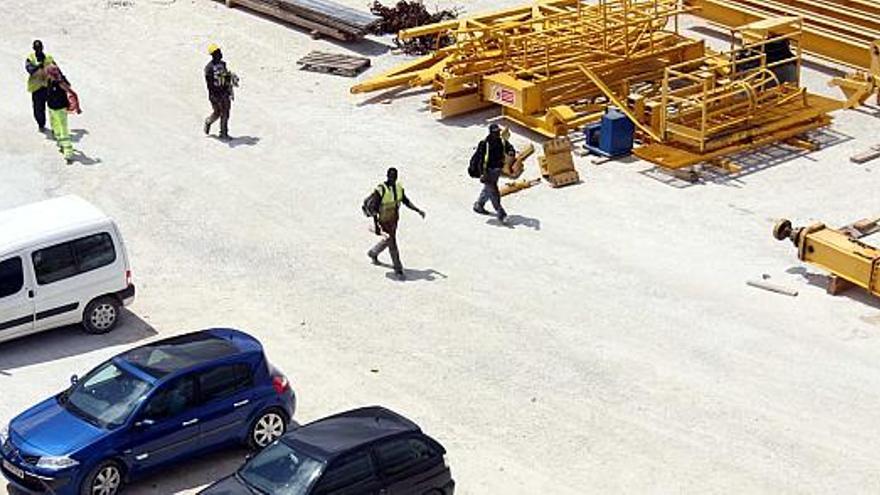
{"x": 38, "y": 79}
{"x": 391, "y": 199}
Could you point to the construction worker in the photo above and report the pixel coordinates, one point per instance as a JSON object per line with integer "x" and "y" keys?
{"x": 493, "y": 149}
{"x": 388, "y": 196}
{"x": 57, "y": 99}
{"x": 35, "y": 65}
{"x": 220, "y": 82}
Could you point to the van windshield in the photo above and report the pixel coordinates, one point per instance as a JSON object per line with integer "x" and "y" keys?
{"x": 105, "y": 397}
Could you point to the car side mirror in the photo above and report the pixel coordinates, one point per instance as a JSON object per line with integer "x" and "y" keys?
{"x": 144, "y": 423}
{"x": 74, "y": 379}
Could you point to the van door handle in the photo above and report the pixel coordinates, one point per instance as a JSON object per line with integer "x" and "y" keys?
{"x": 30, "y": 293}
{"x": 191, "y": 422}
{"x": 241, "y": 403}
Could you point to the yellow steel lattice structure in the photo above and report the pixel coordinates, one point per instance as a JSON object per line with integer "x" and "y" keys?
{"x": 724, "y": 103}
{"x": 528, "y": 60}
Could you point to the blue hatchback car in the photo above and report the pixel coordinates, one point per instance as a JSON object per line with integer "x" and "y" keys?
{"x": 146, "y": 408}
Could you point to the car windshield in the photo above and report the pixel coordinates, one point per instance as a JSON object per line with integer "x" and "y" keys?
{"x": 106, "y": 396}
{"x": 280, "y": 470}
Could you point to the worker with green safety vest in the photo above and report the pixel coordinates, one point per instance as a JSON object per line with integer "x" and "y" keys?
{"x": 492, "y": 152}
{"x": 385, "y": 203}
{"x": 38, "y": 81}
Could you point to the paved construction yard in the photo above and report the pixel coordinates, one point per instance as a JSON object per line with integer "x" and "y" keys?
{"x": 606, "y": 342}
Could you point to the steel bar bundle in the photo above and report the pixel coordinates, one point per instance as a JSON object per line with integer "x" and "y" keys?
{"x": 527, "y": 59}
{"x": 320, "y": 16}
{"x": 838, "y": 30}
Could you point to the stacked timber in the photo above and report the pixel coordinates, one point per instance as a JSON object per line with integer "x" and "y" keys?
{"x": 318, "y": 16}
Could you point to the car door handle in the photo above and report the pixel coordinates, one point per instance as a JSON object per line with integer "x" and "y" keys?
{"x": 191, "y": 422}
{"x": 241, "y": 403}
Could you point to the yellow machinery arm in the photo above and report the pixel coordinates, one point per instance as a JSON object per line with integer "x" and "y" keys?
{"x": 838, "y": 251}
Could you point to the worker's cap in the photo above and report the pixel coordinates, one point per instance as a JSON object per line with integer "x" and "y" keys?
{"x": 213, "y": 47}
{"x": 494, "y": 128}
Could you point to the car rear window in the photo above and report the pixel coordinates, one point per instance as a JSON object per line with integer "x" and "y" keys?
{"x": 67, "y": 259}
{"x": 11, "y": 276}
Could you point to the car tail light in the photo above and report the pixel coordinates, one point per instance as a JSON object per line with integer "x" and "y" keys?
{"x": 280, "y": 384}
{"x": 127, "y": 278}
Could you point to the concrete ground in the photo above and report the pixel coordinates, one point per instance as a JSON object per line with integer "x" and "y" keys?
{"x": 605, "y": 343}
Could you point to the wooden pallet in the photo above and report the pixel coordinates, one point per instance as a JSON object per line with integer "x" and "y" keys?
{"x": 334, "y": 63}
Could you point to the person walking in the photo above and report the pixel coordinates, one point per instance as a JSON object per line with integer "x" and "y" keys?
{"x": 387, "y": 198}
{"x": 58, "y": 99}
{"x": 35, "y": 65}
{"x": 220, "y": 82}
{"x": 492, "y": 151}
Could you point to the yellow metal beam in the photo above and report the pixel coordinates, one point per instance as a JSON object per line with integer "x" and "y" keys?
{"x": 620, "y": 105}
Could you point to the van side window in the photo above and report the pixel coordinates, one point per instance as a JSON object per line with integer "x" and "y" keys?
{"x": 71, "y": 258}
{"x": 11, "y": 276}
{"x": 54, "y": 263}
{"x": 94, "y": 252}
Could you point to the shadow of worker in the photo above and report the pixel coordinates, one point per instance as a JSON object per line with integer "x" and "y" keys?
{"x": 513, "y": 221}
{"x": 428, "y": 275}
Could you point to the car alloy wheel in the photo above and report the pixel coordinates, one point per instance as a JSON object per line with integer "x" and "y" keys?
{"x": 269, "y": 427}
{"x": 104, "y": 316}
{"x": 107, "y": 481}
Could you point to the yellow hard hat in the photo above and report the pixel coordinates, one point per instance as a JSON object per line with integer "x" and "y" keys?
{"x": 212, "y": 48}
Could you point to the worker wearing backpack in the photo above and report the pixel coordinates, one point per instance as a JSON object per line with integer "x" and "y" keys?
{"x": 383, "y": 205}
{"x": 487, "y": 163}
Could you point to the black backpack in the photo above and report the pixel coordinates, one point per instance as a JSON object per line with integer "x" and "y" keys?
{"x": 371, "y": 204}
{"x": 475, "y": 167}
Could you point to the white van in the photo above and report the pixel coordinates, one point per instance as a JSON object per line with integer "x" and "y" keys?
{"x": 62, "y": 262}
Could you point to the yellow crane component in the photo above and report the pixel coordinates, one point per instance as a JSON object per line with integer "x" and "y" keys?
{"x": 859, "y": 86}
{"x": 838, "y": 251}
{"x": 724, "y": 103}
{"x": 838, "y": 30}
{"x": 528, "y": 59}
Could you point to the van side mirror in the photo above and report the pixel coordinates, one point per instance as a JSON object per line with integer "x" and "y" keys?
{"x": 74, "y": 379}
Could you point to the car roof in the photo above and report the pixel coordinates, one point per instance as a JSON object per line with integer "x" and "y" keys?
{"x": 35, "y": 222}
{"x": 335, "y": 435}
{"x": 182, "y": 352}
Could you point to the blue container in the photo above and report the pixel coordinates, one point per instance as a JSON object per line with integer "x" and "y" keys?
{"x": 612, "y": 136}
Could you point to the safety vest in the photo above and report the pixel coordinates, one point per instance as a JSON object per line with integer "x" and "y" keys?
{"x": 391, "y": 199}
{"x": 38, "y": 79}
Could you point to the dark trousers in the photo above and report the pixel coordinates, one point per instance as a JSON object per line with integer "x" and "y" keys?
{"x": 222, "y": 106}
{"x": 491, "y": 192}
{"x": 389, "y": 241}
{"x": 38, "y": 98}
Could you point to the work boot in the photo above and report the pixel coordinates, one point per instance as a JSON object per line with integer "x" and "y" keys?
{"x": 502, "y": 217}
{"x": 207, "y": 128}
{"x": 374, "y": 258}
{"x": 400, "y": 275}
{"x": 224, "y": 136}
{"x": 481, "y": 210}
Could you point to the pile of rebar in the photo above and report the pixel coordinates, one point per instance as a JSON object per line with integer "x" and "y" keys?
{"x": 409, "y": 14}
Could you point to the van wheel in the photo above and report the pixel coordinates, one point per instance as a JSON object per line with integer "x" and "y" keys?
{"x": 101, "y": 315}
{"x": 268, "y": 427}
{"x": 106, "y": 479}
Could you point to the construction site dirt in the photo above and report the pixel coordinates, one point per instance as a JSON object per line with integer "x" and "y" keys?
{"x": 604, "y": 340}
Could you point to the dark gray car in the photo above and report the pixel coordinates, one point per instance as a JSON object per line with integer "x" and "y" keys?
{"x": 367, "y": 451}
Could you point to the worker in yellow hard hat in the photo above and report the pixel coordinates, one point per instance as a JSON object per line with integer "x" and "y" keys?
{"x": 220, "y": 83}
